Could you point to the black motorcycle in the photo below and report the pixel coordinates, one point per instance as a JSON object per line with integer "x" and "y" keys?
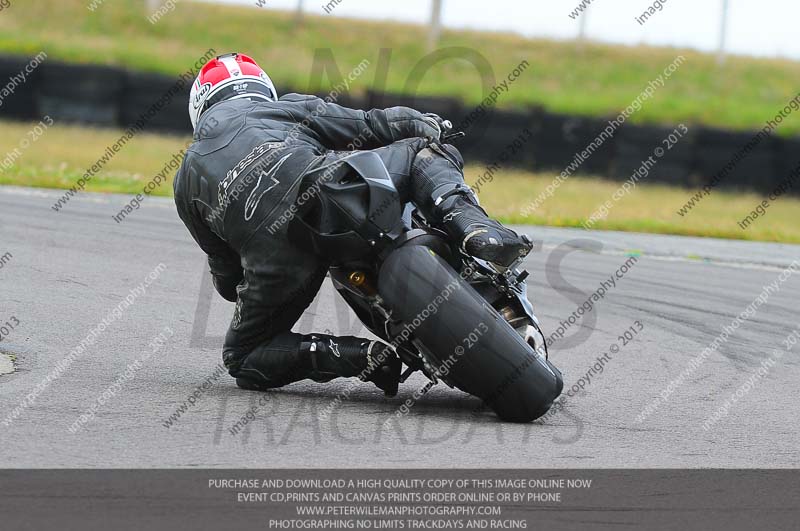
{"x": 455, "y": 318}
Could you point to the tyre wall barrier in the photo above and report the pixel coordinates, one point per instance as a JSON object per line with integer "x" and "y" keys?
{"x": 716, "y": 152}
{"x": 108, "y": 96}
{"x": 638, "y": 144}
{"x": 140, "y": 91}
{"x": 79, "y": 93}
{"x": 572, "y": 144}
{"x": 18, "y": 101}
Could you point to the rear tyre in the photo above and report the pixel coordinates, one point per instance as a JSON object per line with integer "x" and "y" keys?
{"x": 468, "y": 341}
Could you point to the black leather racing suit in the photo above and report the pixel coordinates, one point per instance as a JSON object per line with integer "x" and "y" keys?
{"x": 244, "y": 170}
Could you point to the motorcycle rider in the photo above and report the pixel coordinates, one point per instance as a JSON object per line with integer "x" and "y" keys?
{"x": 253, "y": 154}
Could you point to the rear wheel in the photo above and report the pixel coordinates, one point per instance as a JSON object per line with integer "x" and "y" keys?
{"x": 466, "y": 340}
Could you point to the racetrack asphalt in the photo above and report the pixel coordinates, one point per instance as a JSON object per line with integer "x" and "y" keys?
{"x": 70, "y": 269}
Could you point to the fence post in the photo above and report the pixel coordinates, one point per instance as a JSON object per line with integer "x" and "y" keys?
{"x": 723, "y": 32}
{"x": 583, "y": 21}
{"x": 435, "y": 29}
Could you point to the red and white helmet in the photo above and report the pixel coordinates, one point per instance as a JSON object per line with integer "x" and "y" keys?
{"x": 230, "y": 76}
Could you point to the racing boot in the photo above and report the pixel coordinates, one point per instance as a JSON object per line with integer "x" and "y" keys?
{"x": 290, "y": 357}
{"x": 439, "y": 190}
{"x": 479, "y": 235}
{"x": 371, "y": 361}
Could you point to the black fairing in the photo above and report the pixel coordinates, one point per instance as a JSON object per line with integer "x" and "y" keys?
{"x": 354, "y": 215}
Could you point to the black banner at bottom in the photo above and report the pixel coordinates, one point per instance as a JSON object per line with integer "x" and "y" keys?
{"x": 399, "y": 499}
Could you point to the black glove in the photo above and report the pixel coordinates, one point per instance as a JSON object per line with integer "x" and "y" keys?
{"x": 437, "y": 123}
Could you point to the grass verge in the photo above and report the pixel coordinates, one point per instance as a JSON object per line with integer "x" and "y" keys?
{"x": 595, "y": 79}
{"x": 62, "y": 154}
